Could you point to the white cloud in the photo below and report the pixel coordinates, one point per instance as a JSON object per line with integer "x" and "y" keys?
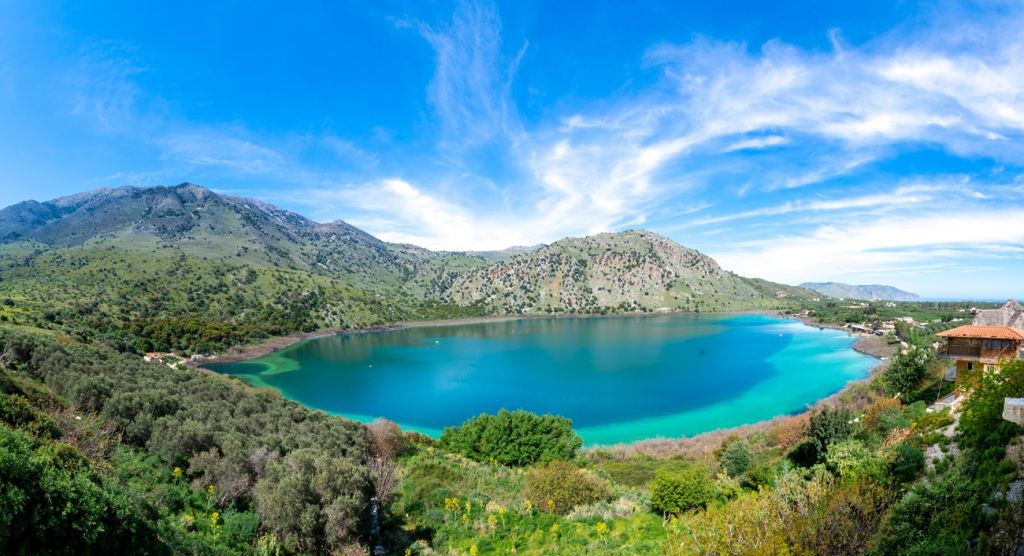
{"x": 756, "y": 143}
{"x": 874, "y": 248}
{"x": 470, "y": 87}
{"x": 766, "y": 122}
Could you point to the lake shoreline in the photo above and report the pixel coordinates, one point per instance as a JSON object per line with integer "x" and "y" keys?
{"x": 245, "y": 352}
{"x": 652, "y": 446}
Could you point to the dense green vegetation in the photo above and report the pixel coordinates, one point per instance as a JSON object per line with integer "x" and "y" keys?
{"x": 167, "y": 460}
{"x": 175, "y": 461}
{"x": 101, "y": 452}
{"x": 848, "y": 479}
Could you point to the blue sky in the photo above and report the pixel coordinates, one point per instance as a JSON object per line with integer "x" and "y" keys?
{"x": 864, "y": 142}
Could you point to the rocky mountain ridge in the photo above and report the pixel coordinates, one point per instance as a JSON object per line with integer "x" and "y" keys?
{"x": 195, "y": 268}
{"x": 867, "y": 292}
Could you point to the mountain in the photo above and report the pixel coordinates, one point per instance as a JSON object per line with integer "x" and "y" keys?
{"x": 183, "y": 267}
{"x": 633, "y": 270}
{"x": 871, "y": 292}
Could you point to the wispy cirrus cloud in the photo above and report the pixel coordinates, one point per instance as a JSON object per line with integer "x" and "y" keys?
{"x": 753, "y": 152}
{"x": 470, "y": 90}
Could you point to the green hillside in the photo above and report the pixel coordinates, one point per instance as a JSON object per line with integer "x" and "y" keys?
{"x": 635, "y": 270}
{"x": 102, "y": 452}
{"x": 183, "y": 268}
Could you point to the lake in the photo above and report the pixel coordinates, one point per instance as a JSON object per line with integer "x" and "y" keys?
{"x": 620, "y": 379}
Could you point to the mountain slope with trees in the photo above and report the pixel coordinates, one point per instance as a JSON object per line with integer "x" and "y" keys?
{"x": 186, "y": 269}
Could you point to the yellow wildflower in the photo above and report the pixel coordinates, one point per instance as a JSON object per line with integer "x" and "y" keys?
{"x": 527, "y": 505}
{"x": 602, "y": 528}
{"x": 211, "y": 489}
{"x": 176, "y": 472}
{"x": 474, "y": 551}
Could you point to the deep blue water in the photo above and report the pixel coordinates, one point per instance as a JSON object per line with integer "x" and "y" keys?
{"x": 618, "y": 378}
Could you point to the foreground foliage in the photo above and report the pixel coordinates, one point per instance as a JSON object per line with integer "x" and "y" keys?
{"x": 513, "y": 438}
{"x": 296, "y": 473}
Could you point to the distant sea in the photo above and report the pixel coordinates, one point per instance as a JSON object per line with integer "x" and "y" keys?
{"x": 620, "y": 379}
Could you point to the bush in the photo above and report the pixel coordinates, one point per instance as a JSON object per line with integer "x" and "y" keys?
{"x": 982, "y": 426}
{"x": 804, "y": 454}
{"x": 907, "y": 463}
{"x": 935, "y": 517}
{"x": 560, "y": 486}
{"x": 906, "y": 372}
{"x": 761, "y": 473}
{"x": 51, "y": 503}
{"x": 16, "y": 411}
{"x": 851, "y": 459}
{"x": 241, "y": 527}
{"x": 313, "y": 500}
{"x": 515, "y": 438}
{"x": 828, "y": 426}
{"x": 736, "y": 458}
{"x": 674, "y": 492}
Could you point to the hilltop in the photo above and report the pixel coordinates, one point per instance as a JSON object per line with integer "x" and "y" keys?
{"x": 185, "y": 268}
{"x": 633, "y": 270}
{"x": 870, "y": 292}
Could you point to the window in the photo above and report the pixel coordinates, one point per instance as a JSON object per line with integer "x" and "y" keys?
{"x": 970, "y": 366}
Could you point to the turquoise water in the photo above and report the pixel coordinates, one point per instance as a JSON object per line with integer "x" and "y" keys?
{"x": 619, "y": 379}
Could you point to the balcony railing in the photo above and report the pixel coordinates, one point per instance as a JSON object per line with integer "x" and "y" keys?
{"x": 965, "y": 353}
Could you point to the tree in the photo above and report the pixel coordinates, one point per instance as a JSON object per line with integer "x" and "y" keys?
{"x": 828, "y": 426}
{"x": 736, "y": 458}
{"x": 313, "y": 501}
{"x": 907, "y": 463}
{"x": 852, "y": 460}
{"x": 906, "y": 372}
{"x": 560, "y": 486}
{"x": 676, "y": 491}
{"x": 981, "y": 423}
{"x": 515, "y": 438}
{"x": 52, "y": 503}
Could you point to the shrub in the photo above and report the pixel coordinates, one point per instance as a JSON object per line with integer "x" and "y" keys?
{"x": 313, "y": 500}
{"x": 16, "y": 411}
{"x": 883, "y": 415}
{"x": 736, "y": 458}
{"x": 907, "y": 463}
{"x": 828, "y": 426}
{"x": 844, "y": 521}
{"x": 515, "y": 438}
{"x": 804, "y": 454}
{"x": 241, "y": 527}
{"x": 674, "y": 492}
{"x": 386, "y": 439}
{"x": 935, "y": 517}
{"x": 761, "y": 473}
{"x": 52, "y": 503}
{"x": 560, "y": 486}
{"x": 982, "y": 425}
{"x": 906, "y": 372}
{"x": 851, "y": 459}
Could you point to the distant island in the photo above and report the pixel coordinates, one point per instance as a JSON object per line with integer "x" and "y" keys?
{"x": 869, "y": 292}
